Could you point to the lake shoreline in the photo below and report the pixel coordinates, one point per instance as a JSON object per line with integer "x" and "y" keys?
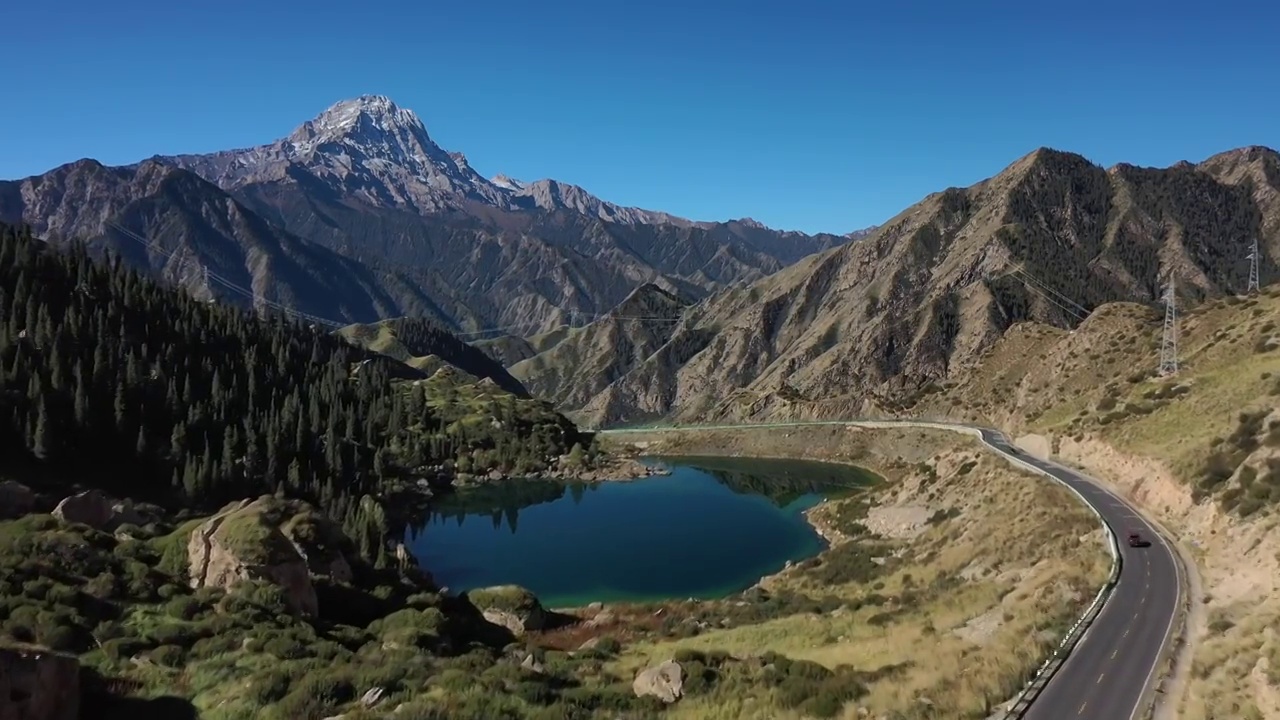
{"x": 764, "y": 514}
{"x": 815, "y": 517}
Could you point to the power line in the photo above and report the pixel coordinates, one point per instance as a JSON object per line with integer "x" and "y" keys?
{"x": 1027, "y": 280}
{"x": 588, "y": 317}
{"x": 1169, "y": 338}
{"x": 1048, "y": 288}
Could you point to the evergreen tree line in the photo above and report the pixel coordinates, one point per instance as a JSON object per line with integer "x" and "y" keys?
{"x": 114, "y": 381}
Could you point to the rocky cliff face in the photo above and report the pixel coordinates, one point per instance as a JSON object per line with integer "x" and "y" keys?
{"x": 853, "y": 329}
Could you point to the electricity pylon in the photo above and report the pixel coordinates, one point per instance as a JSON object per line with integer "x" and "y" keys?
{"x": 1253, "y": 267}
{"x": 1169, "y": 342}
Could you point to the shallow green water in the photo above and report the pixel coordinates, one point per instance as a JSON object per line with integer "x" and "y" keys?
{"x": 713, "y": 527}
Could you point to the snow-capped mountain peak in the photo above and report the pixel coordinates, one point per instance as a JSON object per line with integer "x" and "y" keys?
{"x": 371, "y": 149}
{"x": 367, "y": 147}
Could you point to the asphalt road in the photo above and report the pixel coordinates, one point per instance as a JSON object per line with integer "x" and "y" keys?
{"x": 1108, "y": 674}
{"x": 1110, "y": 670}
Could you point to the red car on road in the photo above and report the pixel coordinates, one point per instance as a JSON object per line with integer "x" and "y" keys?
{"x": 1136, "y": 539}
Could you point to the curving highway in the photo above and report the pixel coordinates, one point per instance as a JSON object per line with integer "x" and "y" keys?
{"x": 1111, "y": 673}
{"x": 1112, "y": 670}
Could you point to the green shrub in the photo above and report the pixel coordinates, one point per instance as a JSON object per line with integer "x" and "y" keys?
{"x": 1249, "y": 506}
{"x": 286, "y": 648}
{"x": 168, "y": 656}
{"x": 183, "y": 608}
{"x": 123, "y": 648}
{"x": 316, "y": 696}
{"x": 64, "y": 638}
{"x": 270, "y": 687}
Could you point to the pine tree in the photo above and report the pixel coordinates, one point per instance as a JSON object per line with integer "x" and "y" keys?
{"x": 43, "y": 443}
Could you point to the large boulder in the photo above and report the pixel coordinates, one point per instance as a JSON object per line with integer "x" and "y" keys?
{"x": 510, "y": 606}
{"x": 665, "y": 682}
{"x": 91, "y": 507}
{"x": 102, "y": 512}
{"x": 38, "y": 685}
{"x": 244, "y": 541}
{"x": 16, "y": 500}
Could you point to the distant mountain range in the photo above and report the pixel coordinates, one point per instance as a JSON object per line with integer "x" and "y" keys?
{"x": 863, "y": 327}
{"x": 358, "y": 215}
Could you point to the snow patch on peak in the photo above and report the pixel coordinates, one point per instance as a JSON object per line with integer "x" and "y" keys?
{"x": 368, "y": 118}
{"x": 383, "y": 113}
{"x": 507, "y": 183}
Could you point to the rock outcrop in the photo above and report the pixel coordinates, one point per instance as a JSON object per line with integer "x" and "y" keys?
{"x": 103, "y": 512}
{"x": 16, "y": 500}
{"x": 244, "y": 541}
{"x": 91, "y": 507}
{"x": 38, "y": 685}
{"x": 510, "y": 606}
{"x": 665, "y": 682}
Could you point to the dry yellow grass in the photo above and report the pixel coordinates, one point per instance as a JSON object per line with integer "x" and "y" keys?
{"x": 1048, "y": 381}
{"x": 1057, "y": 384}
{"x": 964, "y": 603}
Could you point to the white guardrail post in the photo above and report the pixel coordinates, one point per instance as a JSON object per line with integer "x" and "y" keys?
{"x": 1045, "y": 672}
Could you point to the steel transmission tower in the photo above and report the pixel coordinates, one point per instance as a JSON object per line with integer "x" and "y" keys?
{"x": 1169, "y": 342}
{"x": 1253, "y": 267}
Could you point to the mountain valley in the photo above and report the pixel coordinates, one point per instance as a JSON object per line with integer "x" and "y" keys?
{"x": 233, "y": 384}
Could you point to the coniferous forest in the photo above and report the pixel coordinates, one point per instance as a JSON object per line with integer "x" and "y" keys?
{"x": 113, "y": 381}
{"x": 110, "y": 381}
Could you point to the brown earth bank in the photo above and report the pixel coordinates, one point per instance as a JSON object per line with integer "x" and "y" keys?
{"x": 1195, "y": 452}
{"x": 917, "y": 602}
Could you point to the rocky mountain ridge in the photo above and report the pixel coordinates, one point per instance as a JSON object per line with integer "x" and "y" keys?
{"x": 856, "y": 329}
{"x": 190, "y": 233}
{"x": 358, "y": 215}
{"x": 370, "y": 148}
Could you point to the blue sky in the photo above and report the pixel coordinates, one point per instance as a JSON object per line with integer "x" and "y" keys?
{"x": 817, "y": 116}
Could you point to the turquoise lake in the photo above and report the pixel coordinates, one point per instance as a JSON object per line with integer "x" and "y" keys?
{"x": 713, "y": 527}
